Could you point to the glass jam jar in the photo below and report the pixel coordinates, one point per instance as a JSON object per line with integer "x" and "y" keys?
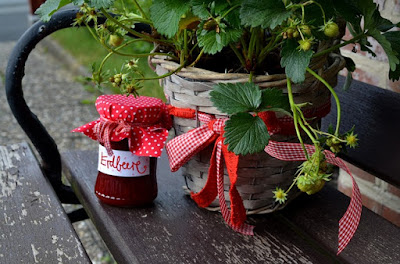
{"x": 132, "y": 132}
{"x": 125, "y": 179}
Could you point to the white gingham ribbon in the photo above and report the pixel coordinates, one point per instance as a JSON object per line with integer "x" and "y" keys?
{"x": 349, "y": 222}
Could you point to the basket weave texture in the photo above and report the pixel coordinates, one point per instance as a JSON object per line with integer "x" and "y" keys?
{"x": 258, "y": 174}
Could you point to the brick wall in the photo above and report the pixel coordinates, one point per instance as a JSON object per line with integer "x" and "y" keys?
{"x": 377, "y": 195}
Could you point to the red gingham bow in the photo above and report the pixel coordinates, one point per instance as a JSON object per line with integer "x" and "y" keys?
{"x": 349, "y": 222}
{"x": 184, "y": 147}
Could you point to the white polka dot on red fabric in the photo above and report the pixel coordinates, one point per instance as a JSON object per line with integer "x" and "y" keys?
{"x": 131, "y": 109}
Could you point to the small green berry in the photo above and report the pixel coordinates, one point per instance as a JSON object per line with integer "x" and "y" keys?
{"x": 305, "y": 44}
{"x": 115, "y": 40}
{"x": 306, "y": 30}
{"x": 331, "y": 29}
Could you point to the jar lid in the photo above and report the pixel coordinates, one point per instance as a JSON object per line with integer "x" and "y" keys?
{"x": 143, "y": 120}
{"x": 140, "y": 109}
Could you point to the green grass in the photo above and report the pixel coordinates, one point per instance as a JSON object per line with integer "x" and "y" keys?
{"x": 81, "y": 44}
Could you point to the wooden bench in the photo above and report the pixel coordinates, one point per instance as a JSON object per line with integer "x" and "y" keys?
{"x": 34, "y": 226}
{"x": 175, "y": 230}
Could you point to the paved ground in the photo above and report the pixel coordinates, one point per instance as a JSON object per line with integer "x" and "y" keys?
{"x": 54, "y": 96}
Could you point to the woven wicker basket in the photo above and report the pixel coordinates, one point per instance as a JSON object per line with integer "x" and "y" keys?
{"x": 258, "y": 174}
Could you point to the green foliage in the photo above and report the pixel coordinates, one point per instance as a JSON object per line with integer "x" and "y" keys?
{"x": 214, "y": 42}
{"x": 166, "y": 15}
{"x": 91, "y": 52}
{"x": 245, "y": 134}
{"x": 295, "y": 61}
{"x": 273, "y": 99}
{"x": 265, "y": 13}
{"x": 394, "y": 38}
{"x": 387, "y": 47}
{"x": 233, "y": 98}
{"x": 253, "y": 27}
{"x": 49, "y": 7}
{"x": 100, "y": 3}
{"x": 252, "y": 31}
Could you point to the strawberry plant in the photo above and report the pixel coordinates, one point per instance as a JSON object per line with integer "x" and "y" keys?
{"x": 244, "y": 36}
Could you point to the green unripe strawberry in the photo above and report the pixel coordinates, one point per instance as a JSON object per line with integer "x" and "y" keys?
{"x": 296, "y": 34}
{"x": 304, "y": 183}
{"x": 305, "y": 44}
{"x": 309, "y": 186}
{"x": 115, "y": 40}
{"x": 288, "y": 34}
{"x": 331, "y": 29}
{"x": 306, "y": 30}
{"x": 316, "y": 187}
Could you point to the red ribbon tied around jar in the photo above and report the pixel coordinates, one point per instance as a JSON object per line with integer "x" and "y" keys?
{"x": 182, "y": 148}
{"x": 144, "y": 121}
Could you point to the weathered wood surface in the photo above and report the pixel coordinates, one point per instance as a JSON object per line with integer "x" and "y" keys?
{"x": 34, "y": 228}
{"x": 175, "y": 230}
{"x": 375, "y": 241}
{"x": 375, "y": 113}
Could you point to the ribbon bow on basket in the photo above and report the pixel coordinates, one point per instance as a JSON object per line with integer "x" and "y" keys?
{"x": 182, "y": 148}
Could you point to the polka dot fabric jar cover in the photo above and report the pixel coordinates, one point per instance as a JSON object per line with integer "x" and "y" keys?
{"x": 144, "y": 121}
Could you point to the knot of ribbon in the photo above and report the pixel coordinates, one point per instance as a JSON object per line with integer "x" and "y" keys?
{"x": 106, "y": 130}
{"x": 144, "y": 121}
{"x": 182, "y": 148}
{"x": 144, "y": 139}
{"x": 138, "y": 135}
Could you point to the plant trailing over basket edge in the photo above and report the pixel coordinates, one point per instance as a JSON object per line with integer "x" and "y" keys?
{"x": 255, "y": 32}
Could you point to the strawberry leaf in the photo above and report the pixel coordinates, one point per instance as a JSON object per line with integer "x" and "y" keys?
{"x": 214, "y": 42}
{"x": 273, "y": 99}
{"x": 200, "y": 8}
{"x": 245, "y": 134}
{"x": 264, "y": 13}
{"x": 387, "y": 47}
{"x": 100, "y": 3}
{"x": 348, "y": 10}
{"x": 295, "y": 61}
{"x": 232, "y": 98}
{"x": 49, "y": 7}
{"x": 166, "y": 15}
{"x": 394, "y": 38}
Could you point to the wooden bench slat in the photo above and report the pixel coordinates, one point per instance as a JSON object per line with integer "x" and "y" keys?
{"x": 34, "y": 226}
{"x": 175, "y": 230}
{"x": 375, "y": 114}
{"x": 375, "y": 241}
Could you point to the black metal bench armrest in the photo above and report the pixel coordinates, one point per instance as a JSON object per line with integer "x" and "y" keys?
{"x": 375, "y": 113}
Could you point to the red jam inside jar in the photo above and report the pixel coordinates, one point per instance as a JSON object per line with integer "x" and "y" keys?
{"x": 122, "y": 190}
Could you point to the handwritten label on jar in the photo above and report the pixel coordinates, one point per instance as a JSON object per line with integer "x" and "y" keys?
{"x": 123, "y": 163}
